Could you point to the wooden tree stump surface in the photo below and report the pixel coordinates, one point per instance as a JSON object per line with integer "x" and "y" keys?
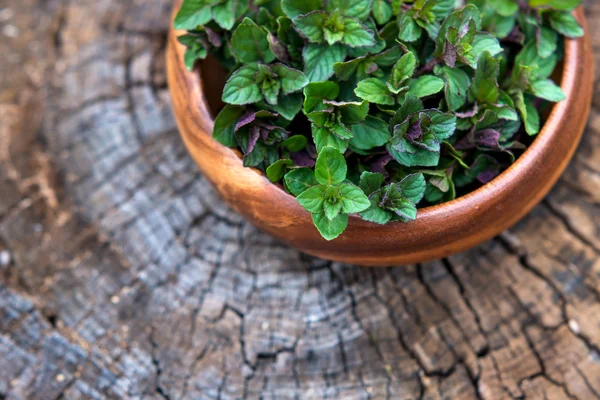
{"x": 123, "y": 276}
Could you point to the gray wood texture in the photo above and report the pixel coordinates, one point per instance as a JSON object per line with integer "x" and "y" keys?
{"x": 123, "y": 276}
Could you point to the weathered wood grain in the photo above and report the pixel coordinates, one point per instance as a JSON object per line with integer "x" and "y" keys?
{"x": 123, "y": 276}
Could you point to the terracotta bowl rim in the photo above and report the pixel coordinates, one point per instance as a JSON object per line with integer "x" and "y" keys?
{"x": 572, "y": 58}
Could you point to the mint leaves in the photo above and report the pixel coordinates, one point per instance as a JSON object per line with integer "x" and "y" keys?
{"x": 377, "y": 107}
{"x": 321, "y": 27}
{"x": 393, "y": 202}
{"x": 224, "y": 13}
{"x": 254, "y": 83}
{"x": 333, "y": 199}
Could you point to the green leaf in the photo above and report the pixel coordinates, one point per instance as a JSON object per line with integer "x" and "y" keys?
{"x": 249, "y": 43}
{"x": 403, "y": 70}
{"x": 294, "y": 8}
{"x": 226, "y": 13}
{"x": 263, "y": 18}
{"x": 257, "y": 155}
{"x": 319, "y": 60}
{"x": 192, "y": 14}
{"x": 411, "y": 105}
{"x": 330, "y": 229}
{"x": 356, "y": 34}
{"x": 485, "y": 84}
{"x": 192, "y": 54}
{"x": 313, "y": 199}
{"x": 538, "y": 68}
{"x": 388, "y": 57}
{"x": 548, "y": 90}
{"x": 341, "y": 131}
{"x": 353, "y": 198}
{"x": 371, "y": 182}
{"x": 565, "y": 23}
{"x": 331, "y": 167}
{"x": 333, "y": 29}
{"x": 351, "y": 8}
{"x": 291, "y": 80}
{"x": 567, "y": 5}
{"x": 353, "y": 69}
{"x": 457, "y": 21}
{"x": 456, "y": 86}
{"x": 529, "y": 113}
{"x": 352, "y": 112}
{"x": 224, "y": 129}
{"x": 404, "y": 209}
{"x": 484, "y": 42}
{"x": 268, "y": 83}
{"x": 412, "y": 187}
{"x": 504, "y": 111}
{"x": 430, "y": 142}
{"x": 421, "y": 157}
{"x": 241, "y": 88}
{"x": 394, "y": 201}
{"x": 324, "y": 138}
{"x": 425, "y": 85}
{"x": 372, "y": 132}
{"x": 375, "y": 213}
{"x": 312, "y": 25}
{"x": 276, "y": 171}
{"x": 505, "y": 8}
{"x": 442, "y": 8}
{"x": 532, "y": 123}
{"x": 316, "y": 92}
{"x": 295, "y": 143}
{"x": 322, "y": 119}
{"x": 503, "y": 26}
{"x": 332, "y": 210}
{"x": 299, "y": 180}
{"x": 287, "y": 35}
{"x": 547, "y": 41}
{"x": 289, "y": 106}
{"x": 409, "y": 30}
{"x": 375, "y": 91}
{"x": 382, "y": 11}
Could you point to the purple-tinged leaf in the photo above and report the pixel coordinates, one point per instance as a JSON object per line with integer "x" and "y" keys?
{"x": 371, "y": 68}
{"x": 251, "y": 116}
{"x": 467, "y": 142}
{"x": 515, "y": 36}
{"x": 213, "y": 37}
{"x": 488, "y": 175}
{"x": 485, "y": 168}
{"x": 487, "y": 138}
{"x": 253, "y": 138}
{"x": 279, "y": 49}
{"x": 414, "y": 132}
{"x": 303, "y": 159}
{"x": 470, "y": 113}
{"x": 380, "y": 163}
{"x": 450, "y": 54}
{"x": 246, "y": 119}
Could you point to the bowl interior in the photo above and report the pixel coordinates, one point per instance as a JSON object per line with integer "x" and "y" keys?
{"x": 213, "y": 77}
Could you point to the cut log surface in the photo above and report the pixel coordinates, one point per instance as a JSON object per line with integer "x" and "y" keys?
{"x": 123, "y": 276}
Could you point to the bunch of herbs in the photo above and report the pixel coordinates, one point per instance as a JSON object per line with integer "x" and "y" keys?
{"x": 377, "y": 107}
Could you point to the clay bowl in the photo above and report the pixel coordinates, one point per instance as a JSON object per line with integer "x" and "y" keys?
{"x": 438, "y": 231}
